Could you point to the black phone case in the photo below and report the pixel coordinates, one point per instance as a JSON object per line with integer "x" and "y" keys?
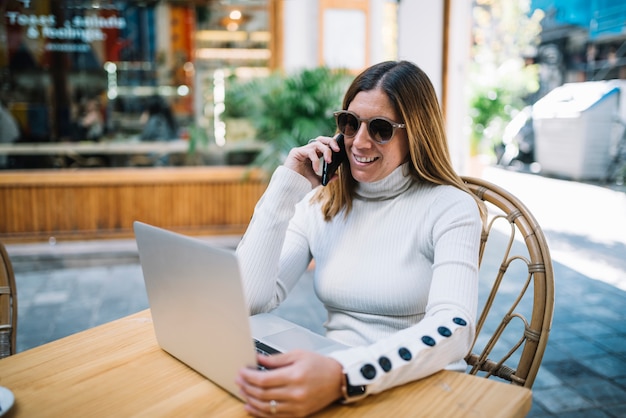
{"x": 338, "y": 157}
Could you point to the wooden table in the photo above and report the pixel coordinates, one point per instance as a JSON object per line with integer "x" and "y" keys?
{"x": 117, "y": 369}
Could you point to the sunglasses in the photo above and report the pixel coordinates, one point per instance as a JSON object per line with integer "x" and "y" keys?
{"x": 381, "y": 129}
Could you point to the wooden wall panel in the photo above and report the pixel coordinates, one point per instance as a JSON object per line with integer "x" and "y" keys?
{"x": 101, "y": 203}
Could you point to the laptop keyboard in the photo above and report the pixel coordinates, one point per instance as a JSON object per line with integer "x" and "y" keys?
{"x": 264, "y": 349}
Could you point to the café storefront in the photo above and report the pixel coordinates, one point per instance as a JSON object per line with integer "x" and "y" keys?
{"x": 60, "y": 60}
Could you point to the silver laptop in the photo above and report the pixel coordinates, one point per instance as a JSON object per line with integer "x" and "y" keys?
{"x": 199, "y": 312}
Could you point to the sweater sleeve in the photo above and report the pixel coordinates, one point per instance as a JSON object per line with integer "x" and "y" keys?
{"x": 445, "y": 334}
{"x": 269, "y": 268}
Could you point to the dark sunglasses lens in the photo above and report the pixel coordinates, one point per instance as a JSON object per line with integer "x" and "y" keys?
{"x": 380, "y": 130}
{"x": 347, "y": 124}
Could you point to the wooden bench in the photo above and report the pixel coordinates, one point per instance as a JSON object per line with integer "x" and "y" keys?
{"x": 36, "y": 205}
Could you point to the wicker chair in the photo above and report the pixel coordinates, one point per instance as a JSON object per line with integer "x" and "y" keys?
{"x": 509, "y": 345}
{"x": 8, "y": 305}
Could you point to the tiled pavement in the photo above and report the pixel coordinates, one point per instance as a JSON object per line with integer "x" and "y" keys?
{"x": 67, "y": 287}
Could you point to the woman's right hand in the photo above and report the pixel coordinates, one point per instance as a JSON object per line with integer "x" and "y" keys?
{"x": 305, "y": 160}
{"x": 294, "y": 384}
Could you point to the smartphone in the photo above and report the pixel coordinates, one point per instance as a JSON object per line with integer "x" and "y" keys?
{"x": 338, "y": 157}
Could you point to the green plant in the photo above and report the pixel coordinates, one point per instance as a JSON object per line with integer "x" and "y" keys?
{"x": 490, "y": 109}
{"x": 198, "y": 138}
{"x": 240, "y": 98}
{"x": 291, "y": 109}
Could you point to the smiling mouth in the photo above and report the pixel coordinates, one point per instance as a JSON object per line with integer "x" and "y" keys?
{"x": 365, "y": 159}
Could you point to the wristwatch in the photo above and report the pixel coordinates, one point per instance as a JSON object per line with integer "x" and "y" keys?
{"x": 352, "y": 393}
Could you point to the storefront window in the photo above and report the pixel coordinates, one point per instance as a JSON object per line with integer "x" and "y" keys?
{"x": 233, "y": 41}
{"x": 75, "y": 71}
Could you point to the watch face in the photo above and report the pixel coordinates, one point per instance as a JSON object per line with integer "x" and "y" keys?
{"x": 355, "y": 390}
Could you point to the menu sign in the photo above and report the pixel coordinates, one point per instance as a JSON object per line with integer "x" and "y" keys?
{"x": 76, "y": 33}
{"x": 96, "y": 31}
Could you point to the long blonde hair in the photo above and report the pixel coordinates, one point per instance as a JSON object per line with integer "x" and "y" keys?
{"x": 412, "y": 94}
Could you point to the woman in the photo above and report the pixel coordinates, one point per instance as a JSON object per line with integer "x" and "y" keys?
{"x": 91, "y": 122}
{"x": 395, "y": 238}
{"x": 158, "y": 120}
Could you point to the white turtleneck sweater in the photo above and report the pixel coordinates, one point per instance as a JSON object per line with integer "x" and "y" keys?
{"x": 398, "y": 275}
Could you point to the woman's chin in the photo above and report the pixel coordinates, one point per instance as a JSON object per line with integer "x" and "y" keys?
{"x": 365, "y": 175}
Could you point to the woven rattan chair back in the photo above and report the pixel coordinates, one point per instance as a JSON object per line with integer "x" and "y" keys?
{"x": 514, "y": 324}
{"x": 8, "y": 305}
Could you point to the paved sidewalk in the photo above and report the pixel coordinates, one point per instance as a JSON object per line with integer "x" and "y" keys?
{"x": 583, "y": 373}
{"x": 68, "y": 287}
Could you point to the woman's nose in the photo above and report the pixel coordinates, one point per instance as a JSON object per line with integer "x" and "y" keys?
{"x": 362, "y": 137}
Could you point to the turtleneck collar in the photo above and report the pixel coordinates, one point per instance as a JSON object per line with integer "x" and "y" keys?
{"x": 396, "y": 183}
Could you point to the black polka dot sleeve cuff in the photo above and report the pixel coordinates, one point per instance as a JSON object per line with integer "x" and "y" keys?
{"x": 416, "y": 352}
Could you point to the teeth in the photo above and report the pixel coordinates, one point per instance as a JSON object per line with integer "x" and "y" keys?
{"x": 364, "y": 159}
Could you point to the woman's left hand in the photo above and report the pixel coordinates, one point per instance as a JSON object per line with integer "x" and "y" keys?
{"x": 296, "y": 384}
